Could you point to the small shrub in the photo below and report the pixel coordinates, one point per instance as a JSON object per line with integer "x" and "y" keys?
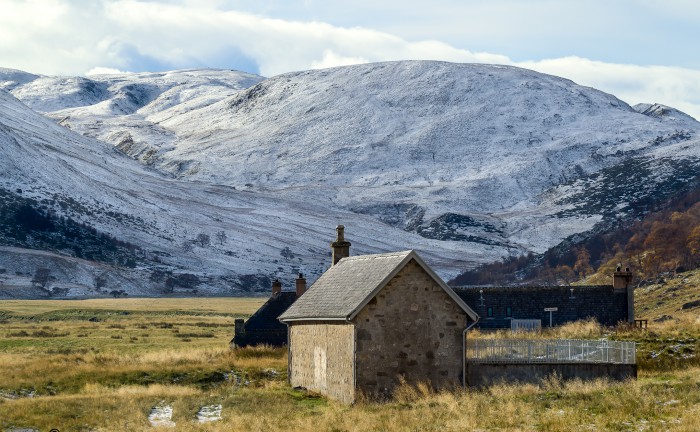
{"x": 48, "y": 334}
{"x": 20, "y": 333}
{"x": 163, "y": 325}
{"x": 210, "y": 325}
{"x": 116, "y": 326}
{"x": 195, "y": 335}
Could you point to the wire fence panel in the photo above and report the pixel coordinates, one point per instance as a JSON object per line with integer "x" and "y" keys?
{"x": 529, "y": 325}
{"x": 550, "y": 351}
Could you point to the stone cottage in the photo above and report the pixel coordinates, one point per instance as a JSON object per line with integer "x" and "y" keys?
{"x": 371, "y": 321}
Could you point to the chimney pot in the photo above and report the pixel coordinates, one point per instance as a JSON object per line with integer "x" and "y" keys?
{"x": 340, "y": 247}
{"x": 276, "y": 287}
{"x": 622, "y": 279}
{"x": 340, "y": 230}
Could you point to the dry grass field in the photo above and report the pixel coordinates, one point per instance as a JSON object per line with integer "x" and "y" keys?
{"x": 103, "y": 365}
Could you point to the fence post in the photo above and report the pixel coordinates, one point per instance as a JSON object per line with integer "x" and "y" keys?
{"x": 606, "y": 350}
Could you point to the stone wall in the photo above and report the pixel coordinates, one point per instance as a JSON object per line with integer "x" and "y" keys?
{"x": 601, "y": 302}
{"x": 412, "y": 328}
{"x": 322, "y": 358}
{"x": 485, "y": 374}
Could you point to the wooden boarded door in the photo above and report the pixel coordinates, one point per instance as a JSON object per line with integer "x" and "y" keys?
{"x": 320, "y": 372}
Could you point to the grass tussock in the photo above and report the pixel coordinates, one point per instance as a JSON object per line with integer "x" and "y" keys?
{"x": 260, "y": 351}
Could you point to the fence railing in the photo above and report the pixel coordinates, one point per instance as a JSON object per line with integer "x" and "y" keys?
{"x": 529, "y": 325}
{"x": 550, "y": 351}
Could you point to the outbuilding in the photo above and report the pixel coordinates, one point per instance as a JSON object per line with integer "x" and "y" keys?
{"x": 371, "y": 322}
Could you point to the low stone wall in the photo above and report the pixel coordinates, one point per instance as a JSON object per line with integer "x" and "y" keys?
{"x": 485, "y": 374}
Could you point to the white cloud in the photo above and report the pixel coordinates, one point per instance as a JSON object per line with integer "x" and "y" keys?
{"x": 99, "y": 70}
{"x": 673, "y": 86}
{"x": 331, "y": 59}
{"x": 66, "y": 37}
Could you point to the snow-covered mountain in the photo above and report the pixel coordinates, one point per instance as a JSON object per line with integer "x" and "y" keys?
{"x": 125, "y": 109}
{"x": 464, "y": 162}
{"x": 93, "y": 183}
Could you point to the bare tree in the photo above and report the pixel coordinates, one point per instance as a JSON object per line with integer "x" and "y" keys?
{"x": 42, "y": 276}
{"x": 286, "y": 253}
{"x": 582, "y": 266}
{"x": 221, "y": 236}
{"x": 100, "y": 281}
{"x": 202, "y": 240}
{"x": 564, "y": 273}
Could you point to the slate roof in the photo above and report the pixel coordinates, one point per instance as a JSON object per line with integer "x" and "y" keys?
{"x": 263, "y": 327}
{"x": 265, "y": 318}
{"x": 344, "y": 289}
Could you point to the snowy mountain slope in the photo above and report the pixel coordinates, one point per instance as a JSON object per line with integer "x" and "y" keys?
{"x": 663, "y": 112}
{"x": 413, "y": 125}
{"x": 12, "y": 78}
{"x": 455, "y": 152}
{"x": 465, "y": 162}
{"x": 450, "y": 151}
{"x": 91, "y": 182}
{"x": 125, "y": 109}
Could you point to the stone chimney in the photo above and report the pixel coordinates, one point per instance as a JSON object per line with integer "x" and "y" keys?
{"x": 622, "y": 282}
{"x": 301, "y": 285}
{"x": 621, "y": 279}
{"x": 276, "y": 287}
{"x": 238, "y": 332}
{"x": 341, "y": 248}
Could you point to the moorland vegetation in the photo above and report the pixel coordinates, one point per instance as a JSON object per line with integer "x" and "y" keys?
{"x": 103, "y": 365}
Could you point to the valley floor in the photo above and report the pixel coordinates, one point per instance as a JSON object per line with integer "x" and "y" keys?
{"x": 125, "y": 364}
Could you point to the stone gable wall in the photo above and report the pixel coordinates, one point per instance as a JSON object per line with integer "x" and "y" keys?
{"x": 322, "y": 358}
{"x": 412, "y": 328}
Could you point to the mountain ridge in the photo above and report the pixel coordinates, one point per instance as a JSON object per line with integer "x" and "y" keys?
{"x": 467, "y": 163}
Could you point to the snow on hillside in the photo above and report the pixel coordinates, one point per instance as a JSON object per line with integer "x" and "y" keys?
{"x": 91, "y": 182}
{"x": 663, "y": 112}
{"x": 11, "y": 78}
{"x": 465, "y": 162}
{"x": 125, "y": 109}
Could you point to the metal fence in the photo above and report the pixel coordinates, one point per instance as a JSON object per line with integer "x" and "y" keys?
{"x": 529, "y": 325}
{"x": 550, "y": 351}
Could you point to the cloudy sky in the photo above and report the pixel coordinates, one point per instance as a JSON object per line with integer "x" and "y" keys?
{"x": 639, "y": 50}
